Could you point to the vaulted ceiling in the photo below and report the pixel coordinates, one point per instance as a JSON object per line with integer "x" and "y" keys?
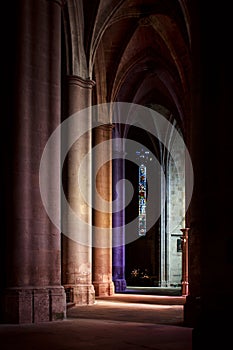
{"x": 136, "y": 51}
{"x": 140, "y": 52}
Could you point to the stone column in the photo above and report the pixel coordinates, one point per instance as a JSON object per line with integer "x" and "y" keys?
{"x": 32, "y": 287}
{"x": 77, "y": 254}
{"x": 184, "y": 282}
{"x": 211, "y": 209}
{"x": 102, "y": 215}
{"x": 118, "y": 219}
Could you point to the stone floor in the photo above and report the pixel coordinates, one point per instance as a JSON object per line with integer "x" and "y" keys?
{"x": 123, "y": 321}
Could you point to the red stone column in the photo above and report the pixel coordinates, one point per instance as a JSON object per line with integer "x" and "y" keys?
{"x": 76, "y": 256}
{"x": 102, "y": 217}
{"x": 33, "y": 291}
{"x": 185, "y": 282}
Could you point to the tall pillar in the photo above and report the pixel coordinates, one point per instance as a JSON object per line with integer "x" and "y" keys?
{"x": 118, "y": 220}
{"x": 76, "y": 255}
{"x": 184, "y": 282}
{"x": 210, "y": 211}
{"x": 102, "y": 216}
{"x": 32, "y": 290}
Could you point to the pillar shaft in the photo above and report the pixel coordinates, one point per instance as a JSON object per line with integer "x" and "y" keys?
{"x": 118, "y": 221}
{"x": 77, "y": 254}
{"x": 210, "y": 236}
{"x": 184, "y": 282}
{"x": 102, "y": 216}
{"x": 32, "y": 242}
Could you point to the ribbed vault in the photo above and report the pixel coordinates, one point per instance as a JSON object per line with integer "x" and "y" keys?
{"x": 140, "y": 52}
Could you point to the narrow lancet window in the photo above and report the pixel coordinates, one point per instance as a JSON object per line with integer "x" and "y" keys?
{"x": 142, "y": 156}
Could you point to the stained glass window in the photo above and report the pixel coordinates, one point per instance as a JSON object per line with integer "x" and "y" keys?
{"x": 143, "y": 157}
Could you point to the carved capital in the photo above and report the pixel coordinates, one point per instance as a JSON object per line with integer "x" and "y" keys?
{"x": 84, "y": 83}
{"x": 145, "y": 21}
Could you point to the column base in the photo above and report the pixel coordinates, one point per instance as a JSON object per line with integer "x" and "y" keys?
{"x": 163, "y": 284}
{"x": 184, "y": 288}
{"x": 103, "y": 289}
{"x": 120, "y": 285}
{"x": 33, "y": 305}
{"x": 81, "y": 294}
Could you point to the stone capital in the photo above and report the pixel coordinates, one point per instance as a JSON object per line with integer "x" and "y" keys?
{"x": 84, "y": 83}
{"x": 105, "y": 127}
{"x": 145, "y": 21}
